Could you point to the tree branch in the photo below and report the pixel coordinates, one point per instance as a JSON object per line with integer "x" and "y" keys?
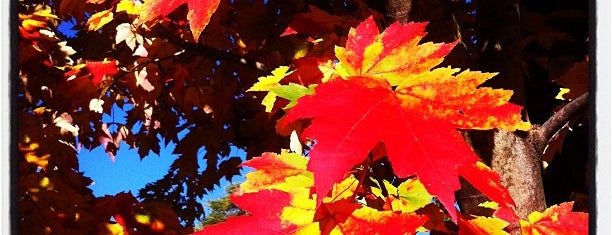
{"x": 555, "y": 123}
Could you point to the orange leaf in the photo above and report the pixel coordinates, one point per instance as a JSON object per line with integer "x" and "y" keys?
{"x": 276, "y": 172}
{"x": 482, "y": 226}
{"x": 557, "y": 219}
{"x": 96, "y": 21}
{"x": 367, "y": 220}
{"x": 200, "y": 12}
{"x": 394, "y": 55}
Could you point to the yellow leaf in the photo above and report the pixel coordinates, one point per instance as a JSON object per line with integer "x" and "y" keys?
{"x": 38, "y": 19}
{"x": 129, "y": 6}
{"x": 30, "y": 24}
{"x": 290, "y": 92}
{"x": 343, "y": 190}
{"x": 562, "y": 91}
{"x": 143, "y": 219}
{"x": 115, "y": 229}
{"x": 489, "y": 204}
{"x": 96, "y": 21}
{"x": 489, "y": 225}
{"x": 268, "y": 82}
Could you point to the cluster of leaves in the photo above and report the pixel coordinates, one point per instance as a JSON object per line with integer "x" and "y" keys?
{"x": 180, "y": 71}
{"x": 384, "y": 103}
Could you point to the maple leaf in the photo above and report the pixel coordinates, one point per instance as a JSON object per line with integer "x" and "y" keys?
{"x": 126, "y": 32}
{"x": 277, "y": 171}
{"x": 409, "y": 196}
{"x": 416, "y": 121}
{"x": 96, "y": 21}
{"x": 100, "y": 69}
{"x": 264, "y": 208}
{"x": 367, "y": 220}
{"x": 200, "y": 12}
{"x": 557, "y": 219}
{"x": 393, "y": 55}
{"x": 396, "y": 56}
{"x": 272, "y": 85}
{"x": 129, "y": 6}
{"x": 371, "y": 112}
{"x": 482, "y": 226}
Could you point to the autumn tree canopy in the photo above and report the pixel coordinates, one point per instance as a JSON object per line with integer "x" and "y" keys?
{"x": 356, "y": 116}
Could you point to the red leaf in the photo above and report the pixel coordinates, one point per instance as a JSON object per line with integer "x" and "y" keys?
{"x": 99, "y": 69}
{"x": 557, "y": 219}
{"x": 352, "y": 116}
{"x": 200, "y": 12}
{"x": 264, "y": 207}
{"x": 487, "y": 182}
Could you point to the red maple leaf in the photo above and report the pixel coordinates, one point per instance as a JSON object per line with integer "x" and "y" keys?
{"x": 393, "y": 95}
{"x": 99, "y": 69}
{"x": 264, "y": 207}
{"x": 198, "y": 16}
{"x": 557, "y": 219}
{"x": 352, "y": 116}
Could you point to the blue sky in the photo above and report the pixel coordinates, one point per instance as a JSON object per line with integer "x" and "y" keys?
{"x": 128, "y": 173}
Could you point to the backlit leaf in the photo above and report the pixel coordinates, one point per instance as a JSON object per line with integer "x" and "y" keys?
{"x": 272, "y": 85}
{"x": 417, "y": 120}
{"x": 557, "y": 219}
{"x": 371, "y": 112}
{"x": 394, "y": 55}
{"x": 96, "y": 21}
{"x": 198, "y": 16}
{"x": 274, "y": 171}
{"x": 482, "y": 226}
{"x": 99, "y": 69}
{"x": 129, "y": 6}
{"x": 367, "y": 220}
{"x": 409, "y": 196}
